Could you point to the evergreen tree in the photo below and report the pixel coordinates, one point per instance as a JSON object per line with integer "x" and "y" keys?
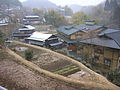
{"x": 107, "y": 6}
{"x": 54, "y": 18}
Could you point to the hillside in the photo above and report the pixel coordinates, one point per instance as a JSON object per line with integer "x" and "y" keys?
{"x": 45, "y": 4}
{"x": 113, "y": 6}
{"x": 11, "y": 3}
{"x": 76, "y": 8}
{"x": 16, "y": 76}
{"x": 45, "y": 79}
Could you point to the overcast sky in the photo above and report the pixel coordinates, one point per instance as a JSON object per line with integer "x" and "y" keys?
{"x": 80, "y": 2}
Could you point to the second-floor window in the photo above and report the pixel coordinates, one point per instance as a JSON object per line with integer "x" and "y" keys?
{"x": 98, "y": 50}
{"x": 95, "y": 58}
{"x": 119, "y": 64}
{"x": 107, "y": 62}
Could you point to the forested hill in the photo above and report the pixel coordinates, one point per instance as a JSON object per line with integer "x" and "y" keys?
{"x": 39, "y": 4}
{"x": 10, "y": 3}
{"x": 112, "y": 4}
{"x": 114, "y": 7}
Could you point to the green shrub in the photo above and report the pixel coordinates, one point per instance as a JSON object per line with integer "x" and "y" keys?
{"x": 114, "y": 76}
{"x": 2, "y": 37}
{"x": 28, "y": 54}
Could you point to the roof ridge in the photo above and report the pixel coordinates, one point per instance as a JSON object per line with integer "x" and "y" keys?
{"x": 113, "y": 38}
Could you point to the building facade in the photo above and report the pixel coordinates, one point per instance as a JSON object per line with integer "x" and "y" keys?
{"x": 23, "y": 32}
{"x": 32, "y": 20}
{"x": 103, "y": 52}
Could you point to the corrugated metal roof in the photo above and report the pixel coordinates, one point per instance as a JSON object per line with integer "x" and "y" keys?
{"x": 39, "y": 36}
{"x": 30, "y": 27}
{"x": 32, "y": 16}
{"x": 101, "y": 41}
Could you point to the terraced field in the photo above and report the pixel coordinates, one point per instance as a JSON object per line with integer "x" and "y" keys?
{"x": 47, "y": 61}
{"x": 16, "y": 76}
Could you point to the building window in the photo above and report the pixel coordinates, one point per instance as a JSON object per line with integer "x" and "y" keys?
{"x": 107, "y": 62}
{"x": 119, "y": 64}
{"x": 95, "y": 58}
{"x": 78, "y": 37}
{"x": 98, "y": 50}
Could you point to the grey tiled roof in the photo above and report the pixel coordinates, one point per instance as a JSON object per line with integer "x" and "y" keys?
{"x": 21, "y": 35}
{"x": 66, "y": 39}
{"x": 111, "y": 40}
{"x": 68, "y": 30}
{"x": 115, "y": 36}
{"x": 85, "y": 27}
{"x": 102, "y": 42}
{"x": 107, "y": 31}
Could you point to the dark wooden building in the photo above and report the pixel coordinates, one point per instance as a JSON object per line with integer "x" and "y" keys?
{"x": 44, "y": 40}
{"x": 23, "y": 32}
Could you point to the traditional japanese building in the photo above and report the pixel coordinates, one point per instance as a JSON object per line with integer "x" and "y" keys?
{"x": 45, "y": 40}
{"x": 103, "y": 52}
{"x": 23, "y": 32}
{"x": 73, "y": 34}
{"x": 31, "y": 19}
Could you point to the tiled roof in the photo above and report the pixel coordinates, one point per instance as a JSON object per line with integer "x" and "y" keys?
{"x": 115, "y": 36}
{"x": 107, "y": 31}
{"x": 21, "y": 35}
{"x": 68, "y": 30}
{"x": 66, "y": 39}
{"x": 85, "y": 27}
{"x": 111, "y": 40}
{"x": 102, "y": 42}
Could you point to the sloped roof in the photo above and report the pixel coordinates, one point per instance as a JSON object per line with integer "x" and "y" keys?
{"x": 115, "y": 36}
{"x": 101, "y": 41}
{"x": 32, "y": 16}
{"x": 21, "y": 35}
{"x": 111, "y": 40}
{"x": 39, "y": 36}
{"x": 68, "y": 30}
{"x": 85, "y": 27}
{"x": 107, "y": 31}
{"x": 66, "y": 39}
{"x": 27, "y": 27}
